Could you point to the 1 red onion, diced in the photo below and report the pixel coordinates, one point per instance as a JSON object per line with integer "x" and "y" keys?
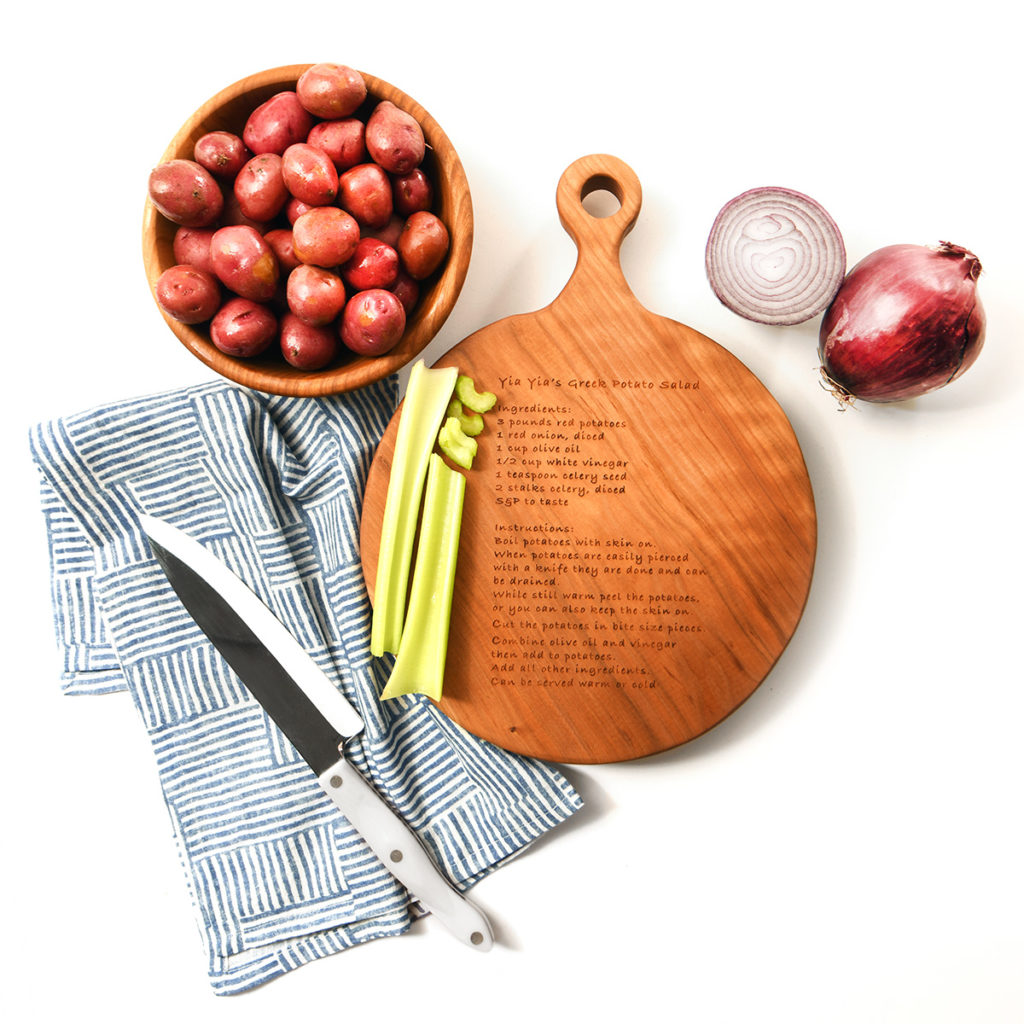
{"x": 775, "y": 256}
{"x": 907, "y": 320}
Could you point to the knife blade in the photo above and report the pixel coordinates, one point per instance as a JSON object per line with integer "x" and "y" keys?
{"x": 310, "y": 711}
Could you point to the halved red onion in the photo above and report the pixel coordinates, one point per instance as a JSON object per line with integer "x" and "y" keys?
{"x": 775, "y": 256}
{"x": 907, "y": 320}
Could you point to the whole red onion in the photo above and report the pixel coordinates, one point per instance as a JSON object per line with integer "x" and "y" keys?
{"x": 907, "y": 320}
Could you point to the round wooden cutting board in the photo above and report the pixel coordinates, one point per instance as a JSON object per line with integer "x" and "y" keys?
{"x": 639, "y": 531}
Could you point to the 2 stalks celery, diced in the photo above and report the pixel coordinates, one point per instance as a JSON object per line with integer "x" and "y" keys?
{"x": 426, "y": 401}
{"x": 418, "y": 635}
{"x": 419, "y": 667}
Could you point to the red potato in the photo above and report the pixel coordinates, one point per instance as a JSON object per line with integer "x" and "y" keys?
{"x": 189, "y": 295}
{"x": 307, "y": 347}
{"x": 365, "y": 192}
{"x": 260, "y": 188}
{"x": 315, "y": 295}
{"x": 330, "y": 90}
{"x": 243, "y": 328}
{"x": 223, "y": 154}
{"x": 394, "y": 138}
{"x": 423, "y": 244}
{"x": 387, "y": 233}
{"x": 412, "y": 192}
{"x": 192, "y": 246}
{"x": 280, "y": 240}
{"x": 407, "y": 289}
{"x": 343, "y": 140}
{"x": 325, "y": 236}
{"x": 373, "y": 322}
{"x": 294, "y": 209}
{"x": 276, "y": 124}
{"x": 232, "y": 215}
{"x": 245, "y": 263}
{"x": 374, "y": 264}
{"x": 186, "y": 193}
{"x": 309, "y": 174}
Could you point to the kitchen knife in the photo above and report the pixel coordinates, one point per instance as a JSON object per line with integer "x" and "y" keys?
{"x": 310, "y": 711}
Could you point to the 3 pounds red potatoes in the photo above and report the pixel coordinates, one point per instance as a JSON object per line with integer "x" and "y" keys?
{"x": 186, "y": 193}
{"x": 317, "y": 203}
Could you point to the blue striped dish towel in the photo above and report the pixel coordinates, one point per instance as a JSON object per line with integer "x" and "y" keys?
{"x": 273, "y": 486}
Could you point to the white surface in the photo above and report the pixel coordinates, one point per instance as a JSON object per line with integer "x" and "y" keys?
{"x": 846, "y": 847}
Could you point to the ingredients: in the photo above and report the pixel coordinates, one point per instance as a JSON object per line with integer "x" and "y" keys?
{"x": 907, "y": 320}
{"x": 775, "y": 256}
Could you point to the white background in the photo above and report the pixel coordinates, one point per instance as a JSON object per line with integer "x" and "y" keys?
{"x": 846, "y": 847}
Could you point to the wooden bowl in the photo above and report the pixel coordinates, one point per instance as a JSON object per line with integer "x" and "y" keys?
{"x": 228, "y": 111}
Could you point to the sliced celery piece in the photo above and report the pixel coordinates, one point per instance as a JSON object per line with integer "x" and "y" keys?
{"x": 460, "y": 448}
{"x": 472, "y": 423}
{"x": 423, "y": 411}
{"x": 478, "y": 401}
{"x": 419, "y": 667}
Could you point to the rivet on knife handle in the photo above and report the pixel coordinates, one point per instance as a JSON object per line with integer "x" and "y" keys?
{"x": 403, "y": 855}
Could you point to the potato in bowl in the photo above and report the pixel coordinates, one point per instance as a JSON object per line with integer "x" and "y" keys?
{"x": 266, "y": 170}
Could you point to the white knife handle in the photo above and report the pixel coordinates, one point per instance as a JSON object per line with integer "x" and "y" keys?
{"x": 403, "y": 854}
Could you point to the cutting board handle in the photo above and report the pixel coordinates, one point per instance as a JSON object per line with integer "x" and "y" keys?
{"x": 598, "y": 239}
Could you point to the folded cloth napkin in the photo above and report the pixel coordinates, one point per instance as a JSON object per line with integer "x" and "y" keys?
{"x": 273, "y": 486}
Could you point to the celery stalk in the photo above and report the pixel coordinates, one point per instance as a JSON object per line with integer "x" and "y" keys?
{"x": 423, "y": 411}
{"x": 419, "y": 667}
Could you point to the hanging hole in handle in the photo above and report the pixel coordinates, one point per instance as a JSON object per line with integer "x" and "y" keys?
{"x": 588, "y": 213}
{"x": 601, "y": 196}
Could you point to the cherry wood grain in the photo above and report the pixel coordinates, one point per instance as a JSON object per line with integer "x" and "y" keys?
{"x": 639, "y": 533}
{"x": 228, "y": 111}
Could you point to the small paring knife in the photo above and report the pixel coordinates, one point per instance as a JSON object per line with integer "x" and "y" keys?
{"x": 310, "y": 711}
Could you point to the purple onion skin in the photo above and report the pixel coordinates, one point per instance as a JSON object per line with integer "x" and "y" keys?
{"x": 907, "y": 320}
